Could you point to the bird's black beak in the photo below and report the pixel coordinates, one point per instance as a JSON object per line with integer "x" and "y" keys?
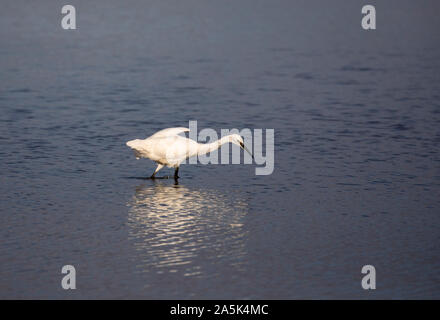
{"x": 244, "y": 148}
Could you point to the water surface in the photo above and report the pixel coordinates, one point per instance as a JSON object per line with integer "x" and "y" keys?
{"x": 356, "y": 116}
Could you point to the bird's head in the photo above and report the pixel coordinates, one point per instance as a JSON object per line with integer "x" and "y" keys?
{"x": 132, "y": 143}
{"x": 238, "y": 140}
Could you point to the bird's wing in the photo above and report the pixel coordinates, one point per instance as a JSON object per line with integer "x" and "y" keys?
{"x": 169, "y": 132}
{"x": 171, "y": 150}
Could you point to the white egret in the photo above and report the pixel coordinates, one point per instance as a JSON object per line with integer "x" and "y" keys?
{"x": 167, "y": 148}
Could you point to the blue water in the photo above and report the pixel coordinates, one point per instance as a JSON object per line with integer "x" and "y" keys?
{"x": 356, "y": 116}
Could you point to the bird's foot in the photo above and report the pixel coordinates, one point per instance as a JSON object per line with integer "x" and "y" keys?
{"x": 156, "y": 178}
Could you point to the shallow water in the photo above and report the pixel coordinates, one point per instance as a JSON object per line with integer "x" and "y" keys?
{"x": 356, "y": 116}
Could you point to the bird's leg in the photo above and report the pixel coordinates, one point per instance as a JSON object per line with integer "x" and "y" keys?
{"x": 159, "y": 166}
{"x": 176, "y": 173}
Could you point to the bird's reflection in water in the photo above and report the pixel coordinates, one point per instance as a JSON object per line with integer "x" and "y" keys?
{"x": 179, "y": 229}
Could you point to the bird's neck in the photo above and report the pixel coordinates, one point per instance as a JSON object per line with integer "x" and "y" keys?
{"x": 204, "y": 148}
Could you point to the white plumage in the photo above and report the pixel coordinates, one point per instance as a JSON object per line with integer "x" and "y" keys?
{"x": 167, "y": 148}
